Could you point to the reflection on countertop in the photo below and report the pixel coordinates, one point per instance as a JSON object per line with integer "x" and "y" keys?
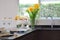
{"x": 16, "y": 34}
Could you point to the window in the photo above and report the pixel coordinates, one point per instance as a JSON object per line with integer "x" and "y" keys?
{"x": 49, "y": 8}
{"x": 24, "y": 4}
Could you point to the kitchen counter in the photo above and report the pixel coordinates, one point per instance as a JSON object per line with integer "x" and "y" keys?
{"x": 15, "y": 36}
{"x": 38, "y": 33}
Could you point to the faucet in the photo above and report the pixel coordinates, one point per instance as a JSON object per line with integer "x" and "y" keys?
{"x": 52, "y": 23}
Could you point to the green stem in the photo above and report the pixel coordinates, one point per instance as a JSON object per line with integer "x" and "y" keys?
{"x": 32, "y": 22}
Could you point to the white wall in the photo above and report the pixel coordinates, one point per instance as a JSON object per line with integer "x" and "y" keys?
{"x": 8, "y": 8}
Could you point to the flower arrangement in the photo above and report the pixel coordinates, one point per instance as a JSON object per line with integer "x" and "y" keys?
{"x": 33, "y": 11}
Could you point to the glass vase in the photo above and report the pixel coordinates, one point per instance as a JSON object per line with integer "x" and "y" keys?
{"x": 32, "y": 21}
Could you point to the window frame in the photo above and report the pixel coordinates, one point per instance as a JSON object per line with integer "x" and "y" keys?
{"x": 44, "y": 19}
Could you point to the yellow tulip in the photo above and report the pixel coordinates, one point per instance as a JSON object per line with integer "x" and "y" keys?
{"x": 36, "y": 6}
{"x": 30, "y": 9}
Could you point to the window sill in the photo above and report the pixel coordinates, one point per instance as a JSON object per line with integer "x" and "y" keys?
{"x": 48, "y": 21}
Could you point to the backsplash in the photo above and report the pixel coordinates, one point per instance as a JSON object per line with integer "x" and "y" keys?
{"x": 14, "y": 23}
{"x": 11, "y": 23}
